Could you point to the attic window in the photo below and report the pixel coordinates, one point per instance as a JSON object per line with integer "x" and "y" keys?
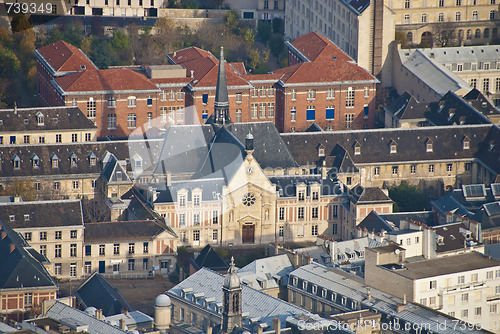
{"x": 440, "y": 241}
{"x": 393, "y": 148}
{"x": 93, "y": 161}
{"x": 16, "y": 162}
{"x": 492, "y": 145}
{"x": 26, "y": 217}
{"x": 55, "y": 120}
{"x": 428, "y": 147}
{"x": 35, "y": 160}
{"x": 26, "y": 121}
{"x": 357, "y": 150}
{"x": 466, "y": 144}
{"x": 73, "y": 159}
{"x": 12, "y": 218}
{"x": 55, "y": 161}
{"x": 39, "y": 118}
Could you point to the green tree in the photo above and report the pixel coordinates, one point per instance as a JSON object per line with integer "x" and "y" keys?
{"x": 86, "y": 44}
{"x": 9, "y": 63}
{"x": 278, "y": 26}
{"x": 54, "y": 36}
{"x": 232, "y": 21}
{"x": 249, "y": 37}
{"x": 264, "y": 31}
{"x": 253, "y": 59}
{"x": 73, "y": 34}
{"x": 407, "y": 198}
{"x": 276, "y": 45}
{"x": 20, "y": 23}
{"x": 101, "y": 54}
{"x": 6, "y": 39}
{"x": 119, "y": 41}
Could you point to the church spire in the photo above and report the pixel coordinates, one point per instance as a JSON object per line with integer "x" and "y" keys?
{"x": 231, "y": 309}
{"x": 221, "y": 105}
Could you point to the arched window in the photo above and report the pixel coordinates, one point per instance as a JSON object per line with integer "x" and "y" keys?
{"x": 460, "y": 35}
{"x": 475, "y": 16}
{"x": 409, "y": 36}
{"x": 469, "y": 33}
{"x": 406, "y": 19}
{"x": 478, "y": 33}
{"x": 486, "y": 33}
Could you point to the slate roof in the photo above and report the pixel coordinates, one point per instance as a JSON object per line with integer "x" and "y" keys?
{"x": 453, "y": 110}
{"x": 407, "y": 107}
{"x": 318, "y": 72}
{"x": 447, "y": 265}
{"x": 286, "y": 185}
{"x": 64, "y": 57}
{"x": 105, "y": 81}
{"x": 375, "y": 148}
{"x": 423, "y": 217}
{"x": 55, "y": 118}
{"x": 464, "y": 54}
{"x": 479, "y": 102}
{"x": 374, "y": 223}
{"x": 361, "y": 195}
{"x": 453, "y": 237}
{"x": 267, "y": 273}
{"x": 21, "y": 267}
{"x": 63, "y": 312}
{"x": 436, "y": 76}
{"x": 40, "y": 214}
{"x": 381, "y": 302}
{"x": 123, "y": 230}
{"x": 208, "y": 258}
{"x": 315, "y": 47}
{"x": 96, "y": 292}
{"x": 255, "y": 304}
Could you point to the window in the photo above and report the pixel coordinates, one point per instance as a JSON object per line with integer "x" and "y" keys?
{"x": 413, "y": 169}
{"x": 131, "y": 120}
{"x": 311, "y": 94}
{"x": 310, "y": 113}
{"x": 39, "y": 118}
{"x": 440, "y": 3}
{"x": 43, "y": 236}
{"x": 432, "y": 301}
{"x": 58, "y": 250}
{"x": 315, "y": 195}
{"x": 91, "y": 107}
{"x": 88, "y": 250}
{"x": 467, "y": 166}
{"x": 458, "y": 16}
{"x": 262, "y": 91}
{"x": 335, "y": 210}
{"x": 394, "y": 170}
{"x": 238, "y": 115}
{"x": 270, "y": 109}
{"x": 407, "y": 3}
{"x": 281, "y": 231}
{"x": 215, "y": 235}
{"x": 43, "y": 250}
{"x": 281, "y": 214}
{"x": 349, "y": 97}
{"x": 253, "y": 110}
{"x": 28, "y": 299}
{"x": 196, "y": 200}
{"x": 428, "y": 147}
{"x": 254, "y": 92}
{"x": 56, "y": 185}
{"x": 440, "y": 17}
{"x": 492, "y": 15}
{"x": 196, "y": 219}
{"x": 293, "y": 95}
{"x": 330, "y": 112}
{"x": 406, "y": 19}
{"x": 489, "y": 274}
{"x": 131, "y": 102}
{"x": 431, "y": 168}
{"x": 458, "y": 2}
{"x": 314, "y": 213}
{"x": 180, "y": 95}
{"x": 449, "y": 167}
{"x": 423, "y": 18}
{"x": 486, "y": 85}
{"x": 493, "y": 308}
{"x": 238, "y": 98}
{"x": 58, "y": 235}
{"x": 111, "y": 121}
{"x": 182, "y": 219}
{"x": 28, "y": 236}
{"x": 116, "y": 249}
{"x": 432, "y": 285}
{"x": 465, "y": 313}
{"x": 88, "y": 267}
{"x": 27, "y": 139}
{"x": 293, "y": 116}
{"x": 102, "y": 250}
{"x": 131, "y": 264}
{"x": 301, "y": 195}
{"x": 330, "y": 94}
{"x": 262, "y": 110}
{"x": 376, "y": 171}
{"x": 215, "y": 217}
{"x": 475, "y": 15}
{"x": 72, "y": 250}
{"x": 300, "y": 214}
{"x": 461, "y": 279}
{"x": 131, "y": 248}
{"x": 182, "y": 200}
{"x": 423, "y": 301}
{"x": 473, "y": 82}
{"x": 196, "y": 235}
{"x": 477, "y": 34}
{"x": 57, "y": 268}
{"x": 465, "y": 297}
{"x": 349, "y": 120}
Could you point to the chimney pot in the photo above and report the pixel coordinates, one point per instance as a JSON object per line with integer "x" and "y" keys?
{"x": 12, "y": 247}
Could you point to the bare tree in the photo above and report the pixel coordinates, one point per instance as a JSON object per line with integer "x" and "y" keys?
{"x": 444, "y": 34}
{"x": 95, "y": 211}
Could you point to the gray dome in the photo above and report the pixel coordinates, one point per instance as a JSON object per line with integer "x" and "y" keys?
{"x": 249, "y": 136}
{"x": 232, "y": 280}
{"x": 163, "y": 300}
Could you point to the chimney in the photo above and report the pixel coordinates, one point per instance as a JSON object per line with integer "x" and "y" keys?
{"x": 369, "y": 294}
{"x": 209, "y": 330}
{"x": 4, "y": 234}
{"x": 46, "y": 328}
{"x": 404, "y": 298}
{"x": 277, "y": 325}
{"x": 169, "y": 178}
{"x": 323, "y": 170}
{"x": 12, "y": 247}
{"x": 192, "y": 74}
{"x": 15, "y": 108}
{"x": 126, "y": 312}
{"x": 260, "y": 330}
{"x": 122, "y": 324}
{"x": 98, "y": 314}
{"x": 175, "y": 53}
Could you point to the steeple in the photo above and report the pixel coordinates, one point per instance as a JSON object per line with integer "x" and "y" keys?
{"x": 221, "y": 105}
{"x": 231, "y": 289}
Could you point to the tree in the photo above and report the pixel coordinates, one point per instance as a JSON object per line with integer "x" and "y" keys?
{"x": 249, "y": 37}
{"x": 407, "y": 198}
{"x": 54, "y": 36}
{"x": 278, "y": 26}
{"x": 276, "y": 45}
{"x": 73, "y": 34}
{"x": 23, "y": 189}
{"x": 6, "y": 39}
{"x": 444, "y": 34}
{"x": 232, "y": 21}
{"x": 9, "y": 63}
{"x": 20, "y": 23}
{"x": 402, "y": 39}
{"x": 254, "y": 59}
{"x": 264, "y": 31}
{"x": 95, "y": 211}
{"x": 101, "y": 53}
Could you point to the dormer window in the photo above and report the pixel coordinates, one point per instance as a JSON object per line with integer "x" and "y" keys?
{"x": 137, "y": 161}
{"x": 73, "y": 159}
{"x": 466, "y": 143}
{"x": 428, "y": 146}
{"x": 393, "y": 146}
{"x": 301, "y": 195}
{"x": 492, "y": 146}
{"x": 35, "y": 161}
{"x": 321, "y": 150}
{"x": 16, "y": 162}
{"x": 39, "y": 118}
{"x": 357, "y": 149}
{"x": 54, "y": 160}
{"x": 92, "y": 159}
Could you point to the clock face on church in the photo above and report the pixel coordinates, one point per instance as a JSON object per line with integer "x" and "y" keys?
{"x": 248, "y": 199}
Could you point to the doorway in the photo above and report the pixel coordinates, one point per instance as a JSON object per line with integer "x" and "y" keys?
{"x": 248, "y": 234}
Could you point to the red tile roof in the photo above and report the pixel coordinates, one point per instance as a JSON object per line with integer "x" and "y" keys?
{"x": 160, "y": 81}
{"x": 105, "y": 80}
{"x": 324, "y": 71}
{"x": 189, "y": 54}
{"x": 64, "y": 57}
{"x": 319, "y": 48}
{"x": 240, "y": 67}
{"x": 262, "y": 77}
